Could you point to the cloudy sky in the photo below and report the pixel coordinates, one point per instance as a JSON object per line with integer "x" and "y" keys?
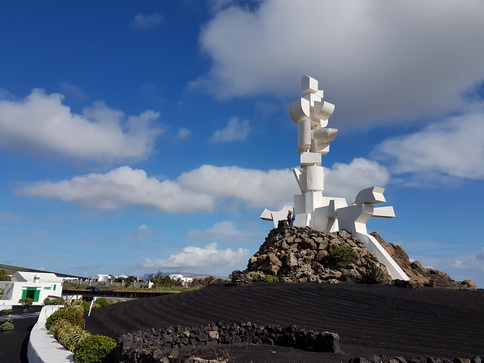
{"x": 150, "y": 135}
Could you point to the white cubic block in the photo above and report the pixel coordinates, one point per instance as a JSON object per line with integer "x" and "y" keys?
{"x": 309, "y": 85}
{"x": 319, "y": 220}
{"x": 313, "y": 200}
{"x": 315, "y": 178}
{"x": 309, "y": 158}
{"x": 302, "y": 220}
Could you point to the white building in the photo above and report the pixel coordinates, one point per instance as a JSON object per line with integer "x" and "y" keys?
{"x": 101, "y": 278}
{"x": 34, "y": 285}
{"x": 185, "y": 280}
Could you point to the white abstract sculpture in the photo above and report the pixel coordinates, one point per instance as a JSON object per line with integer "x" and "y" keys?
{"x": 314, "y": 210}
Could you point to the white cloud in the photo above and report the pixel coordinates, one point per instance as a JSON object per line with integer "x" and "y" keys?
{"x": 73, "y": 90}
{"x": 453, "y": 147}
{"x": 143, "y": 22}
{"x": 142, "y": 232}
{"x": 255, "y": 187}
{"x": 41, "y": 123}
{"x": 121, "y": 187}
{"x": 200, "y": 189}
{"x": 346, "y": 180}
{"x": 378, "y": 62}
{"x": 197, "y": 259}
{"x": 225, "y": 231}
{"x": 183, "y": 133}
{"x": 235, "y": 130}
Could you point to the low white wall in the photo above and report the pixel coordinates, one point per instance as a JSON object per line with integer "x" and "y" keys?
{"x": 43, "y": 347}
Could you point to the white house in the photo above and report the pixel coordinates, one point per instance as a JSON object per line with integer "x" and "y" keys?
{"x": 101, "y": 278}
{"x": 34, "y": 285}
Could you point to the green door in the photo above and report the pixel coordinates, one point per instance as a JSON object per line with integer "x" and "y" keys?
{"x": 31, "y": 293}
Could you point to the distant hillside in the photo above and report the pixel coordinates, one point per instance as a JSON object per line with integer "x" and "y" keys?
{"x": 9, "y": 269}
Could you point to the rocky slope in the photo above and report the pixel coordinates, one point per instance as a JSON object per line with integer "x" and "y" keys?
{"x": 292, "y": 254}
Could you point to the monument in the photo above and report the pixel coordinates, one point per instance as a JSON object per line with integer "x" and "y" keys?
{"x": 312, "y": 208}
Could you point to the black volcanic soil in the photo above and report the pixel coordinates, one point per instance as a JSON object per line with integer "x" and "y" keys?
{"x": 370, "y": 319}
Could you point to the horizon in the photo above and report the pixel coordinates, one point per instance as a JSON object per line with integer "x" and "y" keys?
{"x": 150, "y": 136}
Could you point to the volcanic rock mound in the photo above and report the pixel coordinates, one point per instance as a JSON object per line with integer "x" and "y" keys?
{"x": 293, "y": 254}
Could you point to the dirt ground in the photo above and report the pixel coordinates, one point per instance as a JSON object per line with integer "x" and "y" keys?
{"x": 370, "y": 319}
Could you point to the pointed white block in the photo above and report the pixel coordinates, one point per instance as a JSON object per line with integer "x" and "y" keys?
{"x": 300, "y": 176}
{"x": 299, "y": 205}
{"x": 384, "y": 212}
{"x": 371, "y": 195}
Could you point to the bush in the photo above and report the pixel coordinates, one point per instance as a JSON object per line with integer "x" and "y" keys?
{"x": 6, "y": 311}
{"x": 272, "y": 278}
{"x": 6, "y": 325}
{"x": 341, "y": 257}
{"x": 56, "y": 301}
{"x": 72, "y": 316}
{"x": 67, "y": 334}
{"x": 373, "y": 275}
{"x": 95, "y": 349}
{"x": 101, "y": 302}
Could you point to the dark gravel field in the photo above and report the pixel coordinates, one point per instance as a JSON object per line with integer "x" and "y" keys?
{"x": 370, "y": 319}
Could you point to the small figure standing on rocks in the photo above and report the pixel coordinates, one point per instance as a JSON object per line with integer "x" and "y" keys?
{"x": 290, "y": 218}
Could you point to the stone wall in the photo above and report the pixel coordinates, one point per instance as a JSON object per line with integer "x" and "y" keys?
{"x": 168, "y": 344}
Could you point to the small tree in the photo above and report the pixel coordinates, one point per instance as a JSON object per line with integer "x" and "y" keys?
{"x": 26, "y": 304}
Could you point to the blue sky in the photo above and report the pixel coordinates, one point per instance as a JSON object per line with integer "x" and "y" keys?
{"x": 138, "y": 136}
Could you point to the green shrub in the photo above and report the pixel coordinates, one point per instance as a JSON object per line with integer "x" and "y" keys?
{"x": 95, "y": 349}
{"x": 102, "y": 302}
{"x": 67, "y": 334}
{"x": 272, "y": 278}
{"x": 256, "y": 277}
{"x": 72, "y": 316}
{"x": 56, "y": 301}
{"x": 341, "y": 257}
{"x": 373, "y": 275}
{"x": 6, "y": 325}
{"x": 6, "y": 311}
{"x": 85, "y": 306}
